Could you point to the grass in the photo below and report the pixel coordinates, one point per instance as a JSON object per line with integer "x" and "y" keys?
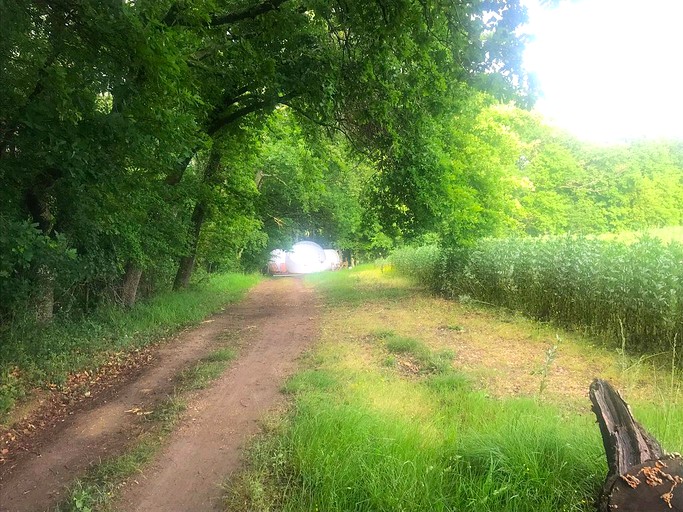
{"x": 358, "y": 286}
{"x": 364, "y": 434}
{"x": 207, "y": 369}
{"x": 33, "y": 357}
{"x": 414, "y": 355}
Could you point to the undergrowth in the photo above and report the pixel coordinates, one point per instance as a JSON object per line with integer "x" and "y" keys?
{"x": 33, "y": 357}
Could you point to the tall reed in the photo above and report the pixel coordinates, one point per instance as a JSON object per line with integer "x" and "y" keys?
{"x": 608, "y": 288}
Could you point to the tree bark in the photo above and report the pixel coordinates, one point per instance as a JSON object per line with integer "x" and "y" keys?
{"x": 186, "y": 266}
{"x": 641, "y": 475}
{"x": 44, "y": 295}
{"x": 129, "y": 288}
{"x": 184, "y": 274}
{"x": 37, "y": 203}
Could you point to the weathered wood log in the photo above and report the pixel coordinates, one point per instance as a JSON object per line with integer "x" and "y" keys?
{"x": 641, "y": 476}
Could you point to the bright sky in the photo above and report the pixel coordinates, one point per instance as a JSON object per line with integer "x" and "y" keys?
{"x": 609, "y": 70}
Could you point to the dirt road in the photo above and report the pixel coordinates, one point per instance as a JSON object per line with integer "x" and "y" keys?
{"x": 277, "y": 322}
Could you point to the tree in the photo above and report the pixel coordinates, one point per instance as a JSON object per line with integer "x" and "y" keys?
{"x": 309, "y": 183}
{"x": 105, "y": 105}
{"x": 371, "y": 70}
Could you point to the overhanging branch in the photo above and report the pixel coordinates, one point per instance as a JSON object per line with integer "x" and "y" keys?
{"x": 337, "y": 127}
{"x": 174, "y": 15}
{"x": 226, "y": 119}
{"x": 245, "y": 14}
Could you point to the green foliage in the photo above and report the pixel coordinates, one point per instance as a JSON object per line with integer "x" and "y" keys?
{"x": 448, "y": 182}
{"x": 420, "y": 263}
{"x": 555, "y": 184}
{"x": 137, "y": 134}
{"x": 24, "y": 247}
{"x": 309, "y": 185}
{"x": 609, "y": 288}
{"x": 113, "y": 114}
{"x": 489, "y": 169}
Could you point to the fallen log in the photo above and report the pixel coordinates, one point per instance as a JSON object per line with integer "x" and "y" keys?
{"x": 641, "y": 476}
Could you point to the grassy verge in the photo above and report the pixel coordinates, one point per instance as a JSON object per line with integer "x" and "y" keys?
{"x": 33, "y": 357}
{"x": 402, "y": 408}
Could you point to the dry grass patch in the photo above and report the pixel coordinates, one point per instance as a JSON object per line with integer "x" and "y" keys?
{"x": 504, "y": 353}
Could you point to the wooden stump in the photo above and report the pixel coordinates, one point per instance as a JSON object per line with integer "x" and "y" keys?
{"x": 641, "y": 477}
{"x": 650, "y": 486}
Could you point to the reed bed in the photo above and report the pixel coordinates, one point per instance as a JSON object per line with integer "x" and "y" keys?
{"x": 628, "y": 293}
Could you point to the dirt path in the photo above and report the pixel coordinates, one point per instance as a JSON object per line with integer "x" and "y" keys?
{"x": 277, "y": 320}
{"x": 206, "y": 448}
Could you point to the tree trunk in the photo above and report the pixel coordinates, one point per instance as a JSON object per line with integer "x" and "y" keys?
{"x": 129, "y": 288}
{"x": 184, "y": 274}
{"x": 44, "y": 295}
{"x": 641, "y": 476}
{"x": 186, "y": 266}
{"x": 37, "y": 202}
{"x": 182, "y": 278}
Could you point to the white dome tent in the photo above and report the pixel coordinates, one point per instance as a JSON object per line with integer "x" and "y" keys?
{"x": 305, "y": 258}
{"x": 332, "y": 260}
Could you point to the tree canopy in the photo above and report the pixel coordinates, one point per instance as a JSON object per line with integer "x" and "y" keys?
{"x": 141, "y": 139}
{"x": 126, "y": 128}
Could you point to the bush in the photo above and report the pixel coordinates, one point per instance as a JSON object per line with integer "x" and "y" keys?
{"x": 419, "y": 263}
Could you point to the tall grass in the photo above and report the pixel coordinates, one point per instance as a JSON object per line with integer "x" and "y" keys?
{"x": 630, "y": 293}
{"x": 374, "y": 441}
{"x": 32, "y": 356}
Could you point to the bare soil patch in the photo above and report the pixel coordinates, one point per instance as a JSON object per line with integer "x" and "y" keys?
{"x": 277, "y": 322}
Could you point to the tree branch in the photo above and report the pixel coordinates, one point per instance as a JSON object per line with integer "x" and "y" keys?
{"x": 338, "y": 127}
{"x": 224, "y": 120}
{"x": 174, "y": 15}
{"x": 248, "y": 13}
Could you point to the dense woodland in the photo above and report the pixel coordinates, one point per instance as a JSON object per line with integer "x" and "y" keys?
{"x": 142, "y": 140}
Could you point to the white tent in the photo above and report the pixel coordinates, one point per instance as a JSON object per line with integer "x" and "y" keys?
{"x": 332, "y": 259}
{"x": 305, "y": 258}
